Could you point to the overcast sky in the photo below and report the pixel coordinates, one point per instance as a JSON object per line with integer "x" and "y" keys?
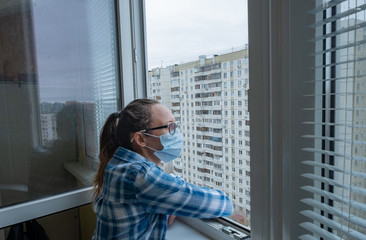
{"x": 180, "y": 31}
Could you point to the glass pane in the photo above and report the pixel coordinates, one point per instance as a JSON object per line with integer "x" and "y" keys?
{"x": 198, "y": 67}
{"x": 58, "y": 81}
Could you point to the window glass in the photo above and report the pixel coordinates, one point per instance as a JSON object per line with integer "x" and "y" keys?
{"x": 57, "y": 85}
{"x": 212, "y": 45}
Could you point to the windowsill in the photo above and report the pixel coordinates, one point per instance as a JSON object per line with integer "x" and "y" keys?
{"x": 178, "y": 230}
{"x": 84, "y": 174}
{"x": 196, "y": 229}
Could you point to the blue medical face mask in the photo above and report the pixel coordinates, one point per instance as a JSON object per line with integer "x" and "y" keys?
{"x": 172, "y": 143}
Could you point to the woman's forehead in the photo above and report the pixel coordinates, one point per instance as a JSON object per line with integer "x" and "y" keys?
{"x": 161, "y": 114}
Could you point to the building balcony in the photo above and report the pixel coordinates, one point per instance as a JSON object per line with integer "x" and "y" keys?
{"x": 177, "y": 166}
{"x": 174, "y": 74}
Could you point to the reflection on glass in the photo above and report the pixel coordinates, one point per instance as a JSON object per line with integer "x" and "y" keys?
{"x": 57, "y": 85}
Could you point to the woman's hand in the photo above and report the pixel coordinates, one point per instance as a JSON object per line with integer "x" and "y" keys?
{"x": 171, "y": 219}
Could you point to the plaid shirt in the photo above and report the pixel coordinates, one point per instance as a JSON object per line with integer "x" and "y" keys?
{"x": 137, "y": 197}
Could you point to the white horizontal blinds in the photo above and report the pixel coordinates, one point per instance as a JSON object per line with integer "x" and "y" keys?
{"x": 103, "y": 50}
{"x": 337, "y": 209}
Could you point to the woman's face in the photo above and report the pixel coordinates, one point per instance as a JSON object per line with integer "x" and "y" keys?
{"x": 161, "y": 116}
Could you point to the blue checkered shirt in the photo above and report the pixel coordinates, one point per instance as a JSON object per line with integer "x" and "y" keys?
{"x": 137, "y": 197}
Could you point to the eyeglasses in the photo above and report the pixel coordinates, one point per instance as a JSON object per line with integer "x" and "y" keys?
{"x": 172, "y": 127}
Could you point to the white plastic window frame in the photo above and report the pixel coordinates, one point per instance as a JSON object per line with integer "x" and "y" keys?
{"x": 132, "y": 49}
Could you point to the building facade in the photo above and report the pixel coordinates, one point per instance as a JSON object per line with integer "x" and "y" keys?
{"x": 209, "y": 98}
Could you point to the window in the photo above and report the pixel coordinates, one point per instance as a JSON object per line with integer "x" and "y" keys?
{"x": 315, "y": 126}
{"x": 57, "y": 90}
{"x": 59, "y": 81}
{"x": 338, "y": 177}
{"x": 210, "y": 70}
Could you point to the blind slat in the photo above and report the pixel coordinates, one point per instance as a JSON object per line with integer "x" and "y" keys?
{"x": 334, "y": 139}
{"x": 336, "y": 154}
{"x": 334, "y": 211}
{"x": 334, "y": 109}
{"x": 339, "y": 94}
{"x": 334, "y": 197}
{"x": 341, "y": 31}
{"x": 319, "y": 231}
{"x": 336, "y": 169}
{"x": 340, "y": 64}
{"x": 326, "y": 5}
{"x": 335, "y": 183}
{"x": 307, "y": 237}
{"x": 336, "y": 124}
{"x": 333, "y": 224}
{"x": 334, "y": 49}
{"x": 340, "y": 15}
{"x": 355, "y": 79}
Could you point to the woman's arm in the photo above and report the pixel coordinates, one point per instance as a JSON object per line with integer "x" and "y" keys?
{"x": 162, "y": 193}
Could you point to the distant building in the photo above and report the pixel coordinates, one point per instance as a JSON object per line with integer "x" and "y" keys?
{"x": 210, "y": 99}
{"x": 48, "y": 128}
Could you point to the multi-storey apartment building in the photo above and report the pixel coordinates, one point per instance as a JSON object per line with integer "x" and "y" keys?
{"x": 210, "y": 99}
{"x": 48, "y": 128}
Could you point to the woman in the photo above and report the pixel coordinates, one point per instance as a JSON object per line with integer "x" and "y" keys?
{"x": 134, "y": 197}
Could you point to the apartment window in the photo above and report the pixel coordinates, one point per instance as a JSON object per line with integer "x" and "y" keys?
{"x": 64, "y": 59}
{"x": 211, "y": 71}
{"x": 57, "y": 88}
{"x": 318, "y": 160}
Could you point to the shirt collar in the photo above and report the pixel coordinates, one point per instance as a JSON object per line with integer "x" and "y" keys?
{"x": 129, "y": 156}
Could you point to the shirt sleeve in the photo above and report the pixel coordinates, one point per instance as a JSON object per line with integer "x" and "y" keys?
{"x": 162, "y": 193}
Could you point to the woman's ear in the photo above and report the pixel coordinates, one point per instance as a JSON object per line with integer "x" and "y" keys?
{"x": 139, "y": 139}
